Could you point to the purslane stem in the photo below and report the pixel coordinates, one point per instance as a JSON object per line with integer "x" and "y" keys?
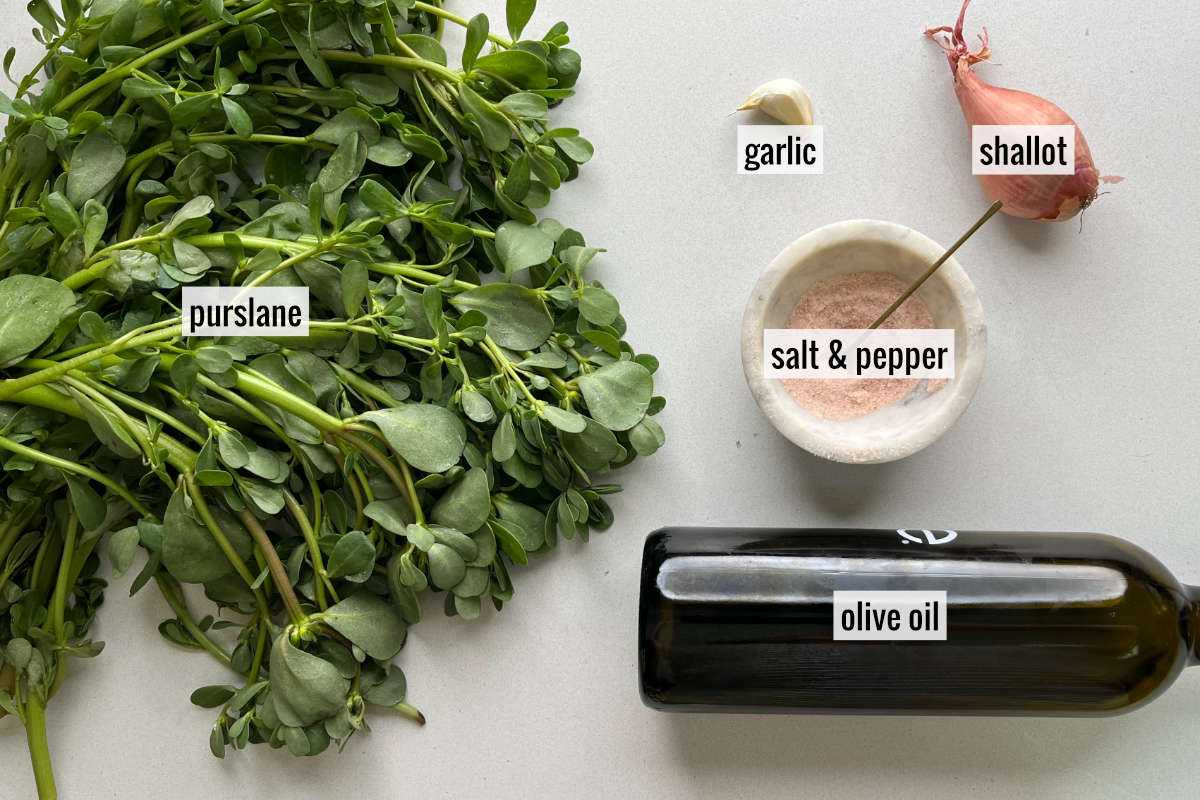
{"x": 90, "y": 348}
{"x": 149, "y": 154}
{"x": 299, "y": 246}
{"x": 214, "y": 528}
{"x": 120, "y": 73}
{"x": 259, "y": 386}
{"x": 76, "y": 468}
{"x": 178, "y": 455}
{"x": 248, "y": 381}
{"x": 250, "y": 409}
{"x": 260, "y": 649}
{"x": 362, "y": 385}
{"x": 397, "y": 477}
{"x": 314, "y": 549}
{"x": 167, "y": 587}
{"x": 10, "y": 531}
{"x": 58, "y": 601}
{"x": 379, "y": 59}
{"x": 398, "y": 338}
{"x": 400, "y": 62}
{"x": 39, "y": 747}
{"x": 145, "y": 408}
{"x": 282, "y": 584}
{"x": 493, "y": 350}
{"x": 140, "y": 436}
{"x": 8, "y": 680}
{"x": 438, "y": 11}
{"x": 10, "y": 387}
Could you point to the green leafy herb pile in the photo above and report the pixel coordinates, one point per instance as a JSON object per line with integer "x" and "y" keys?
{"x": 462, "y": 387}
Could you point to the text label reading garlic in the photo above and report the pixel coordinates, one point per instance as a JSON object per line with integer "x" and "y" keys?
{"x": 1022, "y": 149}
{"x": 781, "y": 150}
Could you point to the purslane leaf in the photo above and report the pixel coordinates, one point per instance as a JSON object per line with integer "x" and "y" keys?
{"x": 477, "y": 32}
{"x": 446, "y": 567}
{"x": 368, "y": 621}
{"x": 524, "y": 522}
{"x": 617, "y": 394}
{"x": 352, "y": 556}
{"x": 517, "y": 14}
{"x": 305, "y": 688}
{"x": 30, "y": 309}
{"x": 191, "y": 551}
{"x": 95, "y": 163}
{"x": 122, "y": 547}
{"x": 522, "y": 246}
{"x": 429, "y": 437}
{"x": 516, "y": 317}
{"x": 492, "y": 124}
{"x": 519, "y": 67}
{"x": 466, "y": 504}
{"x": 88, "y": 505}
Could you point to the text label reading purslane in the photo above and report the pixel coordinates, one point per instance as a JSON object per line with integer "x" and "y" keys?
{"x": 240, "y": 311}
{"x": 889, "y": 615}
{"x": 780, "y": 150}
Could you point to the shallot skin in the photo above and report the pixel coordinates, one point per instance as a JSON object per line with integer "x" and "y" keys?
{"x": 1045, "y": 198}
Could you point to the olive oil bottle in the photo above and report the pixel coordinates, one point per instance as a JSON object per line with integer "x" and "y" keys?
{"x": 908, "y": 621}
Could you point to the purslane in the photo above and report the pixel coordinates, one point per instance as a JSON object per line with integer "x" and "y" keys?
{"x": 462, "y": 386}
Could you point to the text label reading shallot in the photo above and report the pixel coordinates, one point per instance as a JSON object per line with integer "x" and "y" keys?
{"x": 1022, "y": 149}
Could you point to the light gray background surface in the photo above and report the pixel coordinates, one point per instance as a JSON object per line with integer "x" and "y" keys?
{"x": 1086, "y": 420}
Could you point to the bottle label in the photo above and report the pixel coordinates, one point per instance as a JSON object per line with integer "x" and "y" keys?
{"x": 943, "y": 536}
{"x": 781, "y": 150}
{"x": 1022, "y": 149}
{"x": 889, "y": 616}
{"x": 245, "y": 311}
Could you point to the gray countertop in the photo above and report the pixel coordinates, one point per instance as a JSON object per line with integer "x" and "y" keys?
{"x": 1085, "y": 420}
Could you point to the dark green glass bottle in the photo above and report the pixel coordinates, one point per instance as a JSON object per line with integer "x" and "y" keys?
{"x": 908, "y": 621}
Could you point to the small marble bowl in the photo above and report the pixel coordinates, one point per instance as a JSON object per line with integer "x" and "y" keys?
{"x": 867, "y": 245}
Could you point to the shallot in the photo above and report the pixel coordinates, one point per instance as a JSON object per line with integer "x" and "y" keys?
{"x": 1036, "y": 197}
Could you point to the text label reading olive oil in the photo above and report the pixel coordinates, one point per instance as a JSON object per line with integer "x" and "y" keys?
{"x": 889, "y": 616}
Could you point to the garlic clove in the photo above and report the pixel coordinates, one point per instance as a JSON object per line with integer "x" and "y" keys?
{"x": 782, "y": 99}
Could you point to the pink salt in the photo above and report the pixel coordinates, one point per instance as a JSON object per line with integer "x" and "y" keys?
{"x": 855, "y": 300}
